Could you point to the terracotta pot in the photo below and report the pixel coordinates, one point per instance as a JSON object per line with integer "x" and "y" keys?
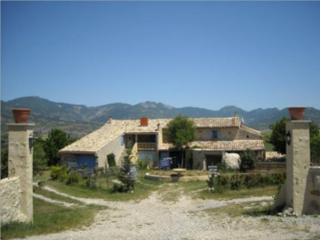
{"x": 21, "y": 115}
{"x": 296, "y": 113}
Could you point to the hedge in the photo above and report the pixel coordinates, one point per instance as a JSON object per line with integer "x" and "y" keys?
{"x": 248, "y": 180}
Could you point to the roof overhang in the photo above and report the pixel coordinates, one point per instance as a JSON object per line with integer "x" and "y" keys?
{"x": 76, "y": 152}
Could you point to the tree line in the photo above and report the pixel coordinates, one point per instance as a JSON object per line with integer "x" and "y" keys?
{"x": 45, "y": 150}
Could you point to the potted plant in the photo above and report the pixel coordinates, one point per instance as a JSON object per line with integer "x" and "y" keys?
{"x": 21, "y": 115}
{"x": 296, "y": 113}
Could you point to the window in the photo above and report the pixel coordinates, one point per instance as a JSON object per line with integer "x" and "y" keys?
{"x": 214, "y": 134}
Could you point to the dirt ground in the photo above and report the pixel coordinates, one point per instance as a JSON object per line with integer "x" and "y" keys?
{"x": 182, "y": 217}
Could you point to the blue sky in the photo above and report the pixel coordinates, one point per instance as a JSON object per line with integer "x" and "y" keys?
{"x": 206, "y": 54}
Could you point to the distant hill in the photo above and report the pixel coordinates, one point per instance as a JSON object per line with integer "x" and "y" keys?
{"x": 79, "y": 119}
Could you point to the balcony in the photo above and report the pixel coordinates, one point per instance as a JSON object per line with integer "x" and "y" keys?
{"x": 147, "y": 146}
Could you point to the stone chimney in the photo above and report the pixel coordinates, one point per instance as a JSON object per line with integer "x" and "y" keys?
{"x": 144, "y": 122}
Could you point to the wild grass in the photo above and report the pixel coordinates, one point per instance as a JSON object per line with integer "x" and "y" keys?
{"x": 199, "y": 189}
{"x": 254, "y": 209}
{"x": 143, "y": 188}
{"x": 54, "y": 196}
{"x": 49, "y": 218}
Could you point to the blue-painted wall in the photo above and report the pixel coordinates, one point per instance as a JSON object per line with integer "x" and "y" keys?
{"x": 86, "y": 161}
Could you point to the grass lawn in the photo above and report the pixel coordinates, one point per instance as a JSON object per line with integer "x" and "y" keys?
{"x": 49, "y": 218}
{"x": 54, "y": 196}
{"x": 248, "y": 209}
{"x": 143, "y": 188}
{"x": 199, "y": 189}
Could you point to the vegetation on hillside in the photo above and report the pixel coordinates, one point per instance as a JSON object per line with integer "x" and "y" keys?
{"x": 79, "y": 119}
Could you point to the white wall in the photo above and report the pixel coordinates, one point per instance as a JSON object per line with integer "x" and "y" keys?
{"x": 116, "y": 147}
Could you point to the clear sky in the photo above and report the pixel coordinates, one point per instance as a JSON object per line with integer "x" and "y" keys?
{"x": 205, "y": 54}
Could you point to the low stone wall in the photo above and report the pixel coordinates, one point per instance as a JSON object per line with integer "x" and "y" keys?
{"x": 10, "y": 201}
{"x": 311, "y": 203}
{"x": 312, "y": 198}
{"x": 264, "y": 165}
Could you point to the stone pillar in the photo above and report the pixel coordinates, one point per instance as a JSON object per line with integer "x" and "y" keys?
{"x": 298, "y": 163}
{"x": 20, "y": 162}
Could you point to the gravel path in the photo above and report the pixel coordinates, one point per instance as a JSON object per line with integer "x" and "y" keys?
{"x": 153, "y": 218}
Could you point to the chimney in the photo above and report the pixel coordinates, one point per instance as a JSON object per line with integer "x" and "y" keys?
{"x": 110, "y": 120}
{"x": 144, "y": 122}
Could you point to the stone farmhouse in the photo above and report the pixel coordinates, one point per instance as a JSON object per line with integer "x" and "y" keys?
{"x": 147, "y": 139}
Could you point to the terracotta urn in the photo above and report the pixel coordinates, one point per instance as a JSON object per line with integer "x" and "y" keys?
{"x": 296, "y": 113}
{"x": 21, "y": 115}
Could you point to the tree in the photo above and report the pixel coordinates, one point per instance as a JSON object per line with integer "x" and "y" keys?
{"x": 126, "y": 175}
{"x": 40, "y": 160}
{"x": 4, "y": 161}
{"x": 56, "y": 140}
{"x": 181, "y": 131}
{"x": 278, "y": 137}
{"x": 315, "y": 143}
{"x": 247, "y": 161}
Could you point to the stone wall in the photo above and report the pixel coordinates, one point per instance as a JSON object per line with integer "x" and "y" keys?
{"x": 244, "y": 134}
{"x": 205, "y": 134}
{"x": 312, "y": 194}
{"x": 10, "y": 201}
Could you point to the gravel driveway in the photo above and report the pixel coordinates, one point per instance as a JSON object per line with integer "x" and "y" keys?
{"x": 186, "y": 218}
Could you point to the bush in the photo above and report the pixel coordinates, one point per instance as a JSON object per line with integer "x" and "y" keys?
{"x": 214, "y": 185}
{"x": 247, "y": 161}
{"x": 143, "y": 164}
{"x": 59, "y": 173}
{"x": 126, "y": 176}
{"x": 91, "y": 181}
{"x": 73, "y": 177}
{"x": 118, "y": 186}
{"x": 238, "y": 181}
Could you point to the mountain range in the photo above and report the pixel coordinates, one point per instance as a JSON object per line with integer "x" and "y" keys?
{"x": 80, "y": 119}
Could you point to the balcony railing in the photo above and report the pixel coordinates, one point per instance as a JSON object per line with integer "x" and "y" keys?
{"x": 147, "y": 146}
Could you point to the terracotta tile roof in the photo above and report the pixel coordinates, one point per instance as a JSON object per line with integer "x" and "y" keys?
{"x": 235, "y": 145}
{"x": 94, "y": 141}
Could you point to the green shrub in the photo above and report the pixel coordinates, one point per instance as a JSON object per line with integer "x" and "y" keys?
{"x": 211, "y": 183}
{"x": 245, "y": 180}
{"x": 143, "y": 164}
{"x": 91, "y": 181}
{"x": 112, "y": 171}
{"x": 247, "y": 161}
{"x": 236, "y": 182}
{"x": 73, "y": 177}
{"x": 125, "y": 175}
{"x": 59, "y": 173}
{"x": 215, "y": 184}
{"x": 118, "y": 186}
